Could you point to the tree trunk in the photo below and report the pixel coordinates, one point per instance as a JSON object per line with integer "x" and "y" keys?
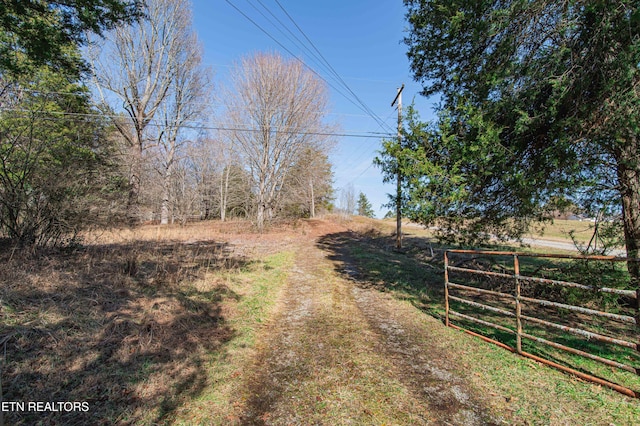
{"x": 629, "y": 184}
{"x": 166, "y": 189}
{"x": 224, "y": 193}
{"x": 164, "y": 206}
{"x": 262, "y": 204}
{"x": 133, "y": 201}
{"x": 260, "y": 216}
{"x": 312, "y": 213}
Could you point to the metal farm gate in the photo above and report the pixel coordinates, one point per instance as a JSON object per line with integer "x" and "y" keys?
{"x": 507, "y": 307}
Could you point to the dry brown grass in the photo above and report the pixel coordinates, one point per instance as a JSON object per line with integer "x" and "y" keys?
{"x": 172, "y": 325}
{"x": 126, "y": 323}
{"x": 196, "y": 231}
{"x": 559, "y": 230}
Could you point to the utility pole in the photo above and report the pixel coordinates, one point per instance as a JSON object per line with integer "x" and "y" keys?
{"x": 399, "y": 176}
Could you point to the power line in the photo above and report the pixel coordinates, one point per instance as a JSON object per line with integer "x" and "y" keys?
{"x": 289, "y": 51}
{"x": 360, "y": 155}
{"x": 362, "y": 152}
{"x": 381, "y": 123}
{"x": 296, "y": 41}
{"x": 62, "y": 115}
{"x": 336, "y": 76}
{"x": 366, "y": 108}
{"x": 359, "y": 104}
{"x": 46, "y": 92}
{"x": 205, "y": 104}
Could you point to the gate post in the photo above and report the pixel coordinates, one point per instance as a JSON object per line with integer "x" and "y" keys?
{"x": 516, "y": 270}
{"x": 446, "y": 288}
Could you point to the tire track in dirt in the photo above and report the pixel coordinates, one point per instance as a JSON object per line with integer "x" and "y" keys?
{"x": 336, "y": 353}
{"x": 278, "y": 364}
{"x": 422, "y": 365}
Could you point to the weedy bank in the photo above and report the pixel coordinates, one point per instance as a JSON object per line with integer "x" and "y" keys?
{"x": 133, "y": 321}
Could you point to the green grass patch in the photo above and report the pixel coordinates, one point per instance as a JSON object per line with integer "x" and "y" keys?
{"x": 533, "y": 394}
{"x": 257, "y": 286}
{"x": 594, "y": 273}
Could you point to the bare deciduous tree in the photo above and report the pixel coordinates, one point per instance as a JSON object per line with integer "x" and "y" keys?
{"x": 135, "y": 71}
{"x": 309, "y": 186}
{"x": 348, "y": 200}
{"x": 203, "y": 162}
{"x": 184, "y": 104}
{"x": 277, "y": 107}
{"x": 222, "y": 184}
{"x": 183, "y": 192}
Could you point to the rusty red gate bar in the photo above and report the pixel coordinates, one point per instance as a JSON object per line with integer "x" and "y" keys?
{"x": 519, "y": 299}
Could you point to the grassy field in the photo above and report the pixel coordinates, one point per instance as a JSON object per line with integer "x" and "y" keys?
{"x": 143, "y": 325}
{"x": 166, "y": 326}
{"x": 558, "y": 230}
{"x": 416, "y": 276}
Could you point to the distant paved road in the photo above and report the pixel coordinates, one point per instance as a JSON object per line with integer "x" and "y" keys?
{"x": 563, "y": 245}
{"x": 536, "y": 242}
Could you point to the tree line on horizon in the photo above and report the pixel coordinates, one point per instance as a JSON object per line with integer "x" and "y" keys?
{"x": 133, "y": 147}
{"x": 539, "y": 110}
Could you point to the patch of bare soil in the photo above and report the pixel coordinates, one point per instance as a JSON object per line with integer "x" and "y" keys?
{"x": 330, "y": 338}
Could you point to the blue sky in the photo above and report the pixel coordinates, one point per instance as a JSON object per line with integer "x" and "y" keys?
{"x": 360, "y": 39}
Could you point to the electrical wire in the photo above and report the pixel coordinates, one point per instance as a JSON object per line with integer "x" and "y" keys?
{"x": 193, "y": 126}
{"x": 336, "y": 76}
{"x": 359, "y": 154}
{"x": 290, "y": 52}
{"x": 358, "y": 103}
{"x": 205, "y": 104}
{"x": 335, "y": 73}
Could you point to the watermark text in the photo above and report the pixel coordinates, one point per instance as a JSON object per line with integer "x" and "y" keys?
{"x": 43, "y": 406}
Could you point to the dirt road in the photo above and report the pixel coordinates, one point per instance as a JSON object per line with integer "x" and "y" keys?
{"x": 336, "y": 352}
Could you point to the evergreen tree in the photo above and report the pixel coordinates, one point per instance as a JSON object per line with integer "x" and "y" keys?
{"x": 541, "y": 101}
{"x": 364, "y": 206}
{"x": 57, "y": 168}
{"x": 38, "y": 32}
{"x": 308, "y": 187}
